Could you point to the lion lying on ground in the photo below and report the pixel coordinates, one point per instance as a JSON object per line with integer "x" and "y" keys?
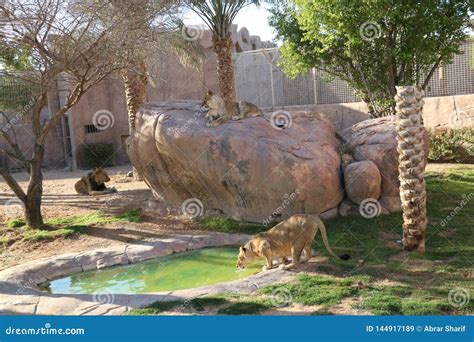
{"x": 221, "y": 111}
{"x": 290, "y": 238}
{"x": 94, "y": 183}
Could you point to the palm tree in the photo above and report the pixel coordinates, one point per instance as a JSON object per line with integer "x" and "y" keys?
{"x": 218, "y": 16}
{"x": 409, "y": 105}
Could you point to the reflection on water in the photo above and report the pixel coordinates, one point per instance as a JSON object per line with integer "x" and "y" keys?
{"x": 178, "y": 271}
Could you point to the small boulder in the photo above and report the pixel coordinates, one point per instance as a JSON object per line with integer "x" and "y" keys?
{"x": 375, "y": 140}
{"x": 362, "y": 180}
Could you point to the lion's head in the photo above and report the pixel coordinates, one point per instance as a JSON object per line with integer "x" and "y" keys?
{"x": 100, "y": 176}
{"x": 246, "y": 255}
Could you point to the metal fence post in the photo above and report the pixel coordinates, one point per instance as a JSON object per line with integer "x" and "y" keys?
{"x": 314, "y": 87}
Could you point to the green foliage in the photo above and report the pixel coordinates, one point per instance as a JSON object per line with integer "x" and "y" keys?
{"x": 346, "y": 148}
{"x": 450, "y": 145}
{"x": 373, "y": 45}
{"x": 97, "y": 155}
{"x": 219, "y": 14}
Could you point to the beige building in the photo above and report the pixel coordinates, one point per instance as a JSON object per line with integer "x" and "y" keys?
{"x": 105, "y": 103}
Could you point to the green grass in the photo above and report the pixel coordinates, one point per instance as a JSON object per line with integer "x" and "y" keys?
{"x": 156, "y": 308}
{"x": 316, "y": 290}
{"x": 224, "y": 304}
{"x": 405, "y": 300}
{"x": 244, "y": 308}
{"x": 200, "y": 304}
{"x": 60, "y": 227}
{"x": 132, "y": 215}
{"x": 15, "y": 223}
{"x": 229, "y": 225}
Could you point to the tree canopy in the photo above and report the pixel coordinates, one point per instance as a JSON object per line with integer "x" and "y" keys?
{"x": 373, "y": 45}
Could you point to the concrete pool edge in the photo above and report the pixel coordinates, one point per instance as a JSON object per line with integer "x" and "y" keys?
{"x": 19, "y": 292}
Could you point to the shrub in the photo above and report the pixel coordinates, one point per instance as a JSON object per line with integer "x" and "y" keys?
{"x": 95, "y": 155}
{"x": 452, "y": 145}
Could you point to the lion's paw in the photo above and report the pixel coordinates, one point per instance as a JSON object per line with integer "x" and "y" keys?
{"x": 286, "y": 267}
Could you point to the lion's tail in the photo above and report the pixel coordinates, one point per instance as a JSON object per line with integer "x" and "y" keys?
{"x": 324, "y": 235}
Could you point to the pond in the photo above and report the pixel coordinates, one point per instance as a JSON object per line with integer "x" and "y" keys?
{"x": 173, "y": 272}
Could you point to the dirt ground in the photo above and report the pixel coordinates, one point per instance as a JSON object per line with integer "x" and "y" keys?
{"x": 60, "y": 200}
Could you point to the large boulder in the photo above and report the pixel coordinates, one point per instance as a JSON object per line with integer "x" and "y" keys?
{"x": 247, "y": 169}
{"x": 362, "y": 180}
{"x": 375, "y": 140}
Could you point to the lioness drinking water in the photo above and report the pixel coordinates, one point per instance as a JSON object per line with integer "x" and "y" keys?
{"x": 290, "y": 238}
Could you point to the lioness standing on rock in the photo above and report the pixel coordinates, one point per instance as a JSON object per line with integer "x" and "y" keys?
{"x": 290, "y": 238}
{"x": 221, "y": 111}
{"x": 94, "y": 183}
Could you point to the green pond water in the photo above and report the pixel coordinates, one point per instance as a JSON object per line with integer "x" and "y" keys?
{"x": 177, "y": 271}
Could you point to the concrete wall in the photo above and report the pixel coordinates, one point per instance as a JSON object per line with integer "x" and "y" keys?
{"x": 438, "y": 112}
{"x": 105, "y": 97}
{"x": 21, "y": 132}
{"x": 449, "y": 111}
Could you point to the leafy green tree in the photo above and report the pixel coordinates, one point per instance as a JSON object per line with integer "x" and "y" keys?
{"x": 373, "y": 45}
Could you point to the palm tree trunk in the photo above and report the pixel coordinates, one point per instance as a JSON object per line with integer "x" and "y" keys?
{"x": 135, "y": 80}
{"x": 411, "y": 166}
{"x": 225, "y": 67}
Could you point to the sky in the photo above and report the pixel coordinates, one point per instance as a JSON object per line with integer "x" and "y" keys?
{"x": 252, "y": 17}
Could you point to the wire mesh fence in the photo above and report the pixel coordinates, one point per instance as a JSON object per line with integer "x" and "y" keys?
{"x": 260, "y": 81}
